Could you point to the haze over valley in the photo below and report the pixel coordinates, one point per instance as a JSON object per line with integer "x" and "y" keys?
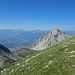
{"x": 16, "y": 39}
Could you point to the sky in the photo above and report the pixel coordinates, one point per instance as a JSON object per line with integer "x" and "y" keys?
{"x": 37, "y": 14}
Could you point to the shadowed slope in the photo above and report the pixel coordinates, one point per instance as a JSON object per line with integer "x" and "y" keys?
{"x": 6, "y": 56}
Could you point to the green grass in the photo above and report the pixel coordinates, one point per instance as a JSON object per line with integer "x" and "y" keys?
{"x": 55, "y": 60}
{"x": 25, "y": 52}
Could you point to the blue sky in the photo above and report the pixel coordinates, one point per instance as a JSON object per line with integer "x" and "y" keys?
{"x": 37, "y": 14}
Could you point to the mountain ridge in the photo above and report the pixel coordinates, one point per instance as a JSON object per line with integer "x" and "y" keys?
{"x": 53, "y": 37}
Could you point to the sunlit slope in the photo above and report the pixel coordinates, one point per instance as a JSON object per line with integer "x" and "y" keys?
{"x": 56, "y": 60}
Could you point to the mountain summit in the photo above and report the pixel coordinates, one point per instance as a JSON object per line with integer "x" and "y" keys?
{"x": 54, "y": 37}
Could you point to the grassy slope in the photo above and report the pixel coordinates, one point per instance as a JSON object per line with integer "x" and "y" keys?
{"x": 25, "y": 52}
{"x": 56, "y": 60}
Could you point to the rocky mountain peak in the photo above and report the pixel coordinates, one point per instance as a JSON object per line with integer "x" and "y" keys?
{"x": 54, "y": 37}
{"x": 55, "y": 31}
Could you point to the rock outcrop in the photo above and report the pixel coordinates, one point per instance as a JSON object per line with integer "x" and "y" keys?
{"x": 6, "y": 56}
{"x": 54, "y": 37}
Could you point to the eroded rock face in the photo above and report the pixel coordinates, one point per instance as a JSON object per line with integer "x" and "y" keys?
{"x": 6, "y": 56}
{"x": 54, "y": 37}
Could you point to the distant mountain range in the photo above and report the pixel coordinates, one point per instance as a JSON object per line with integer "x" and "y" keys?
{"x": 15, "y": 39}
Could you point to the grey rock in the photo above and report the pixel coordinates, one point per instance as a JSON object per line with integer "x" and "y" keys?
{"x": 6, "y": 56}
{"x": 54, "y": 37}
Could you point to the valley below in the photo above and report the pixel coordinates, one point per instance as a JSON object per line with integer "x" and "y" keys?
{"x": 16, "y": 39}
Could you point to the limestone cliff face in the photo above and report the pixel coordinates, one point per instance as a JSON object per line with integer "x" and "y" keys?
{"x": 54, "y": 37}
{"x": 6, "y": 56}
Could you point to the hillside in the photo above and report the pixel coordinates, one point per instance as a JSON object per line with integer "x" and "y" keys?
{"x": 25, "y": 52}
{"x": 56, "y": 60}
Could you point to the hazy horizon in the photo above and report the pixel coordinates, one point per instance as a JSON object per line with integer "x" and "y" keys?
{"x": 36, "y": 29}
